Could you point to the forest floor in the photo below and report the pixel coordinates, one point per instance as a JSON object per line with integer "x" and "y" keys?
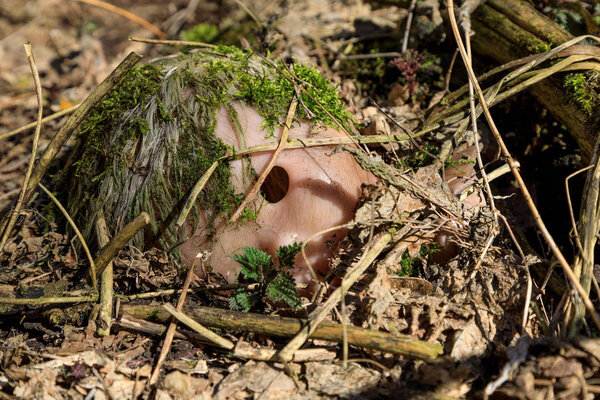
{"x": 482, "y": 318}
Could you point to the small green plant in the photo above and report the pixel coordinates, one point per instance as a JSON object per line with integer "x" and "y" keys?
{"x": 408, "y": 264}
{"x": 419, "y": 158}
{"x": 275, "y": 283}
{"x": 249, "y": 215}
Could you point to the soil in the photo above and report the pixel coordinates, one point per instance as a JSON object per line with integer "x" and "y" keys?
{"x": 439, "y": 284}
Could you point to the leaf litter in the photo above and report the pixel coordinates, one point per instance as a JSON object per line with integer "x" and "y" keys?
{"x": 54, "y": 352}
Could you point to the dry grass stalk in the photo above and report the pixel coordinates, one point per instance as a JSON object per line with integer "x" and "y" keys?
{"x": 36, "y": 137}
{"x": 534, "y": 211}
{"x": 51, "y": 117}
{"x": 171, "y": 42}
{"x": 127, "y": 14}
{"x": 86, "y": 249}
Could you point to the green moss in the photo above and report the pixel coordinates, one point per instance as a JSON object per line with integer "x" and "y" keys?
{"x": 271, "y": 93}
{"x": 585, "y": 88}
{"x": 203, "y": 32}
{"x": 149, "y": 141}
{"x": 536, "y": 46}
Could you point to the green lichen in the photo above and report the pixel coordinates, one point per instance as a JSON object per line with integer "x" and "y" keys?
{"x": 150, "y": 140}
{"x": 585, "y": 88}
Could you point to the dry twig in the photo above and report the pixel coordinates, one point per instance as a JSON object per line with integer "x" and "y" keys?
{"x": 109, "y": 251}
{"x": 127, "y": 14}
{"x": 261, "y": 179}
{"x": 106, "y": 280}
{"x": 164, "y": 351}
{"x": 38, "y": 127}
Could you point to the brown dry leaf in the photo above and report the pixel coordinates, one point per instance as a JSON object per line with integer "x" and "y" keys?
{"x": 354, "y": 381}
{"x": 256, "y": 378}
{"x": 470, "y": 341}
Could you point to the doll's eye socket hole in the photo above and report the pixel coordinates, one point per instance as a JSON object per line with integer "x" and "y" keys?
{"x": 276, "y": 185}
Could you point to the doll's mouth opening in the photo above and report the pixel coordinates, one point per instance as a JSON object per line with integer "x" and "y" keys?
{"x": 276, "y": 185}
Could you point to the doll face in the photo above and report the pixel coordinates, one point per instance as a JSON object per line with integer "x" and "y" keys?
{"x": 308, "y": 191}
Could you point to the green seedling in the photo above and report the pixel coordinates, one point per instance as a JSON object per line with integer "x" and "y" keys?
{"x": 275, "y": 281}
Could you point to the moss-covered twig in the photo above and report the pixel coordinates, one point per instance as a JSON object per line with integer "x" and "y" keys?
{"x": 208, "y": 288}
{"x": 285, "y": 327}
{"x": 77, "y": 118}
{"x": 241, "y": 350}
{"x": 109, "y": 251}
{"x": 106, "y": 280}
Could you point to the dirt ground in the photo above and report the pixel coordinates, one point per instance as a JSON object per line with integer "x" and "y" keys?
{"x": 476, "y": 317}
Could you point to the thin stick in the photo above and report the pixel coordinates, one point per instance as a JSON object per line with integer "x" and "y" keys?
{"x": 109, "y": 251}
{"x": 198, "y": 328}
{"x": 106, "y": 280}
{"x": 536, "y": 215}
{"x": 49, "y": 300}
{"x": 324, "y": 141}
{"x": 305, "y": 256}
{"x": 78, "y": 233}
{"x": 251, "y": 14}
{"x": 286, "y": 354}
{"x": 164, "y": 351}
{"x": 512, "y": 236}
{"x": 34, "y": 124}
{"x": 191, "y": 200}
{"x": 589, "y": 221}
{"x": 261, "y": 179}
{"x": 127, "y": 14}
{"x": 344, "y": 329}
{"x": 409, "y": 17}
{"x": 36, "y": 137}
{"x": 172, "y": 42}
{"x": 571, "y": 214}
{"x": 527, "y": 300}
{"x": 488, "y": 190}
{"x": 449, "y": 73}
